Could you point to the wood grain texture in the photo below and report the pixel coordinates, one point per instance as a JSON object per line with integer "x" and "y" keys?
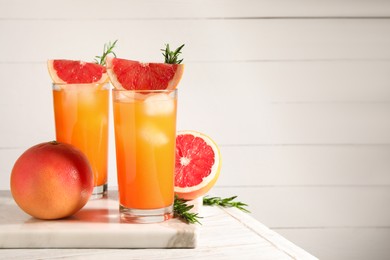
{"x": 187, "y": 9}
{"x": 236, "y": 40}
{"x": 305, "y": 165}
{"x": 315, "y": 206}
{"x": 342, "y": 243}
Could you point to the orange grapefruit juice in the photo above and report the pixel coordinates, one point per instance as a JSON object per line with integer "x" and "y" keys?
{"x": 145, "y": 133}
{"x": 81, "y": 119}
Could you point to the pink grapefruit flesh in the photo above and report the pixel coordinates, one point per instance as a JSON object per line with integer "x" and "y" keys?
{"x": 76, "y": 72}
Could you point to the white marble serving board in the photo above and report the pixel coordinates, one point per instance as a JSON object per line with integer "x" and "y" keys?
{"x": 97, "y": 225}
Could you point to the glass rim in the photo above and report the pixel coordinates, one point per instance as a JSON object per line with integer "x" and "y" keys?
{"x": 148, "y": 91}
{"x": 81, "y": 84}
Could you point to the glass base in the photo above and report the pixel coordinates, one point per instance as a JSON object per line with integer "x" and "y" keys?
{"x": 145, "y": 215}
{"x": 99, "y": 191}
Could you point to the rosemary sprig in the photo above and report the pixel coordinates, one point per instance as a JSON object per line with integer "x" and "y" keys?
{"x": 182, "y": 210}
{"x": 226, "y": 202}
{"x": 171, "y": 57}
{"x": 108, "y": 49}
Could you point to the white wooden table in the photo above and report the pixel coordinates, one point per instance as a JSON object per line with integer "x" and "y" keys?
{"x": 225, "y": 233}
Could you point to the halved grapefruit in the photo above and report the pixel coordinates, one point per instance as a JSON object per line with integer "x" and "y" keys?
{"x": 198, "y": 163}
{"x": 135, "y": 75}
{"x": 75, "y": 72}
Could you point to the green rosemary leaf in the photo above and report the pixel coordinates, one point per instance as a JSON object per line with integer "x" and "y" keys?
{"x": 171, "y": 57}
{"x": 182, "y": 210}
{"x": 108, "y": 49}
{"x": 226, "y": 202}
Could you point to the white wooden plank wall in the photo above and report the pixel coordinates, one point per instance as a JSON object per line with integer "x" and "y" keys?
{"x": 297, "y": 94}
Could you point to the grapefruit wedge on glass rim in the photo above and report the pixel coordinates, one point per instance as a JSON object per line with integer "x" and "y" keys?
{"x": 198, "y": 164}
{"x": 76, "y": 72}
{"x": 135, "y": 75}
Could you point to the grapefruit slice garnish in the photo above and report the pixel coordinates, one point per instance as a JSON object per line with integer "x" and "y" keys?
{"x": 198, "y": 163}
{"x": 135, "y": 75}
{"x": 76, "y": 72}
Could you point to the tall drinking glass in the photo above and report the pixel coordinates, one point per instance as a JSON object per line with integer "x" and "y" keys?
{"x": 145, "y": 136}
{"x": 81, "y": 119}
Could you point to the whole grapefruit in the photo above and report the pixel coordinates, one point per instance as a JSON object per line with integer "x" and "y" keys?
{"x": 51, "y": 180}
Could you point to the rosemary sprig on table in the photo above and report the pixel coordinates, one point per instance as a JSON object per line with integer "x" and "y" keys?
{"x": 171, "y": 57}
{"x": 182, "y": 210}
{"x": 226, "y": 202}
{"x": 108, "y": 49}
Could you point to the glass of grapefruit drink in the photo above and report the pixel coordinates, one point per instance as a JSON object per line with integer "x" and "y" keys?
{"x": 145, "y": 134}
{"x": 81, "y": 105}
